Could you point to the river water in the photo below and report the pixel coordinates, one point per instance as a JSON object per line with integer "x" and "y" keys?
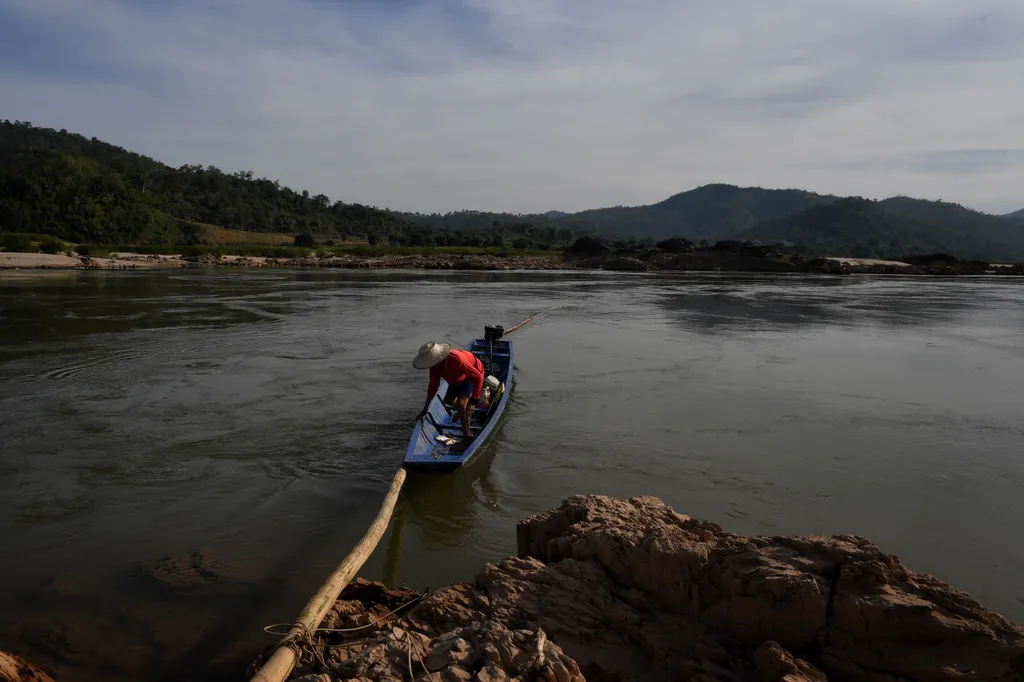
{"x": 260, "y": 415}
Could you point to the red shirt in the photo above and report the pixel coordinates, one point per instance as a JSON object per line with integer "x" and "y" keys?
{"x": 459, "y": 366}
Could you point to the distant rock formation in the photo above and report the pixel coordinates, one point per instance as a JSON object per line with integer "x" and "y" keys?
{"x": 611, "y": 589}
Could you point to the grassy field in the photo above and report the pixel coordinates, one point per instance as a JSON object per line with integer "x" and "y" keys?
{"x": 222, "y": 236}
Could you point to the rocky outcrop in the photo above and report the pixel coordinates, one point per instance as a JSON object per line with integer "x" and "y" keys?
{"x": 203, "y": 259}
{"x": 627, "y": 265}
{"x": 611, "y": 589}
{"x": 16, "y": 669}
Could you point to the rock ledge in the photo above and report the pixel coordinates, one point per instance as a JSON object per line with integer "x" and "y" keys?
{"x": 611, "y": 589}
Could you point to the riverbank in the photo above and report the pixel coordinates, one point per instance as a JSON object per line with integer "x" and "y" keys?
{"x": 606, "y": 588}
{"x": 135, "y": 261}
{"x": 739, "y": 258}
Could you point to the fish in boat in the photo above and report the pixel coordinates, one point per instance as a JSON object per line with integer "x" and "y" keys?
{"x": 437, "y": 440}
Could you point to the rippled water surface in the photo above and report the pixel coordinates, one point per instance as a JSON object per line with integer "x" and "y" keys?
{"x": 261, "y": 414}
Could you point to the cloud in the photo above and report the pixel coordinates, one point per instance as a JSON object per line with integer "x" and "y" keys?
{"x": 957, "y": 161}
{"x": 538, "y": 104}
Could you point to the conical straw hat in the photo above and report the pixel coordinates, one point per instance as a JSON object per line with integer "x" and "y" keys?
{"x": 430, "y": 354}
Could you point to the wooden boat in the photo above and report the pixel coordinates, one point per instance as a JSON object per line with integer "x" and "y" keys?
{"x": 427, "y": 447}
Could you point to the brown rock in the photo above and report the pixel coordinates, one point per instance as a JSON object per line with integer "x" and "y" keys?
{"x": 448, "y": 651}
{"x": 201, "y": 570}
{"x": 317, "y": 677}
{"x": 887, "y": 618}
{"x": 616, "y": 589}
{"x": 491, "y": 673}
{"x": 456, "y": 674}
{"x": 778, "y": 665}
{"x": 16, "y": 669}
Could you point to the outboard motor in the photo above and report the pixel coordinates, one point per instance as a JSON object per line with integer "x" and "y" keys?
{"x": 492, "y": 333}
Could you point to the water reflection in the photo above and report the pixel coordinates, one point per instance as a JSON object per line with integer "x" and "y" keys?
{"x": 151, "y": 414}
{"x": 773, "y": 304}
{"x": 445, "y": 507}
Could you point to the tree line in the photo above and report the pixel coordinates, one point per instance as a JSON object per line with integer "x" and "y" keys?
{"x": 85, "y": 190}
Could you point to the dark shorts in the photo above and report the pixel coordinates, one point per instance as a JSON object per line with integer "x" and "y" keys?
{"x": 458, "y": 390}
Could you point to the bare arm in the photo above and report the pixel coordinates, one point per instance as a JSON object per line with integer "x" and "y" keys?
{"x": 435, "y": 382}
{"x": 426, "y": 406}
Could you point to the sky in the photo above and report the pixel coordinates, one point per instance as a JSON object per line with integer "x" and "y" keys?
{"x": 537, "y": 105}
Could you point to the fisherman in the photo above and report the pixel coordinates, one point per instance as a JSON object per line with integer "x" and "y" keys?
{"x": 465, "y": 376}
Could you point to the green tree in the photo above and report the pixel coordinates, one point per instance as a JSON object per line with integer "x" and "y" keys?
{"x": 20, "y": 243}
{"x": 51, "y": 245}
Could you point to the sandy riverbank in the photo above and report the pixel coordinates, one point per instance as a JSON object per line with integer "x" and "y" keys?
{"x": 740, "y": 258}
{"x": 116, "y": 261}
{"x": 134, "y": 261}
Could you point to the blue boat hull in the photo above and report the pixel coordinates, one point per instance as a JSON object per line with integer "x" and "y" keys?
{"x": 425, "y": 452}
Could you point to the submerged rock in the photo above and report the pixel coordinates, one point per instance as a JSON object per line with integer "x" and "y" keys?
{"x": 200, "y": 571}
{"x": 611, "y": 589}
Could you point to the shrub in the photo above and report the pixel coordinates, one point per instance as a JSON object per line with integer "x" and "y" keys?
{"x": 16, "y": 242}
{"x": 676, "y": 245}
{"x": 305, "y": 241}
{"x": 587, "y": 246}
{"x": 51, "y": 245}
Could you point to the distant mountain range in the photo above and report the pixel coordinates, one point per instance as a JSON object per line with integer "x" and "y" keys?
{"x": 817, "y": 223}
{"x": 710, "y": 212}
{"x": 863, "y": 229}
{"x": 84, "y": 190}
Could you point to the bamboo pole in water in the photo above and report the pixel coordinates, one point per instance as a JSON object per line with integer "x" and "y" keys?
{"x": 281, "y": 663}
{"x": 529, "y": 319}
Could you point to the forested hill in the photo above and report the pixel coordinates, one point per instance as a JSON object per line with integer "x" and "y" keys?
{"x": 710, "y": 212}
{"x": 862, "y": 229}
{"x": 1016, "y": 215}
{"x": 85, "y": 190}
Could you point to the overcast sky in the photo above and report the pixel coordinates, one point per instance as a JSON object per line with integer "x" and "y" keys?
{"x": 533, "y": 105}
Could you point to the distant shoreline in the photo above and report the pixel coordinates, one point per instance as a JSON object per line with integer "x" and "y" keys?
{"x": 702, "y": 261}
{"x": 136, "y": 261}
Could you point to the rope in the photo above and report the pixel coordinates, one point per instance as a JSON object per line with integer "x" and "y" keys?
{"x": 277, "y": 664}
{"x": 283, "y": 657}
{"x": 305, "y": 639}
{"x": 269, "y": 629}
